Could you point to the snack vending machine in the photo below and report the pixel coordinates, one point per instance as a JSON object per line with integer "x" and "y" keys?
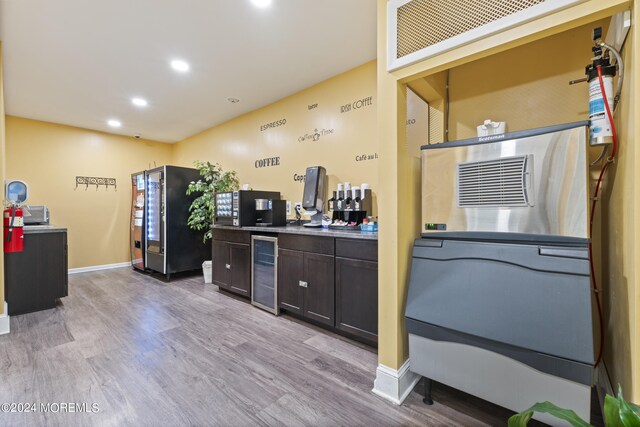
{"x": 137, "y": 235}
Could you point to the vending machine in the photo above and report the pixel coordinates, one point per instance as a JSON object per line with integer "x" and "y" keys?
{"x": 161, "y": 240}
{"x": 137, "y": 234}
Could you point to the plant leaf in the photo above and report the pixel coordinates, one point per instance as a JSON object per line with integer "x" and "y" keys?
{"x": 612, "y": 412}
{"x": 551, "y": 409}
{"x": 521, "y": 419}
{"x": 629, "y": 416}
{"x": 202, "y": 207}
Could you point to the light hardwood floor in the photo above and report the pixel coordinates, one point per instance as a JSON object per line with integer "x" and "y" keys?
{"x": 182, "y": 353}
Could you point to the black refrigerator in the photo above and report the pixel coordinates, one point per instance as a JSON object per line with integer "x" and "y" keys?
{"x": 169, "y": 245}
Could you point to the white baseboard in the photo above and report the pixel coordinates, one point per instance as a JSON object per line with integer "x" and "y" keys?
{"x": 99, "y": 267}
{"x": 394, "y": 385}
{"x": 4, "y": 320}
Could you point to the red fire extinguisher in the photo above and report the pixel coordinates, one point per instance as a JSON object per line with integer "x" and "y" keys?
{"x": 13, "y": 230}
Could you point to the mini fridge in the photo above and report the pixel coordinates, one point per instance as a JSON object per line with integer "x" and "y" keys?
{"x": 264, "y": 273}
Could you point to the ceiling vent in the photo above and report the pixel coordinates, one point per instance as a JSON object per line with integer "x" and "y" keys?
{"x": 419, "y": 29}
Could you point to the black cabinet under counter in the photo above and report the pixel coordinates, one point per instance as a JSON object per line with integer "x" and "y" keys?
{"x": 326, "y": 277}
{"x": 38, "y": 276}
{"x": 231, "y": 261}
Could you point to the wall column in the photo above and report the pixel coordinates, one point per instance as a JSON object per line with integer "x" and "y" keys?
{"x": 4, "y": 318}
{"x": 399, "y": 213}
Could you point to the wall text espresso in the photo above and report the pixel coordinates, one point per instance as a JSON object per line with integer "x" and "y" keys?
{"x": 275, "y": 124}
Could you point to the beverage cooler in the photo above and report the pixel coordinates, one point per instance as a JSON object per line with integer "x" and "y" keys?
{"x": 161, "y": 241}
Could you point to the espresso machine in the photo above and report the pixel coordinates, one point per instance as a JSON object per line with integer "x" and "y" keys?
{"x": 271, "y": 213}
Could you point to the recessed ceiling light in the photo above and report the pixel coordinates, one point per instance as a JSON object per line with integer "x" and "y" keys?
{"x": 139, "y": 102}
{"x": 180, "y": 65}
{"x": 114, "y": 123}
{"x": 261, "y": 3}
{"x": 233, "y": 100}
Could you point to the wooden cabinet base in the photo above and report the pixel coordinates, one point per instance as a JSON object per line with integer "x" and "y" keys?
{"x": 231, "y": 266}
{"x": 37, "y": 277}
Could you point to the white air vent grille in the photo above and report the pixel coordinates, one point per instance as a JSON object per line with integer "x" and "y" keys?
{"x": 493, "y": 183}
{"x": 422, "y": 23}
{"x": 419, "y": 29}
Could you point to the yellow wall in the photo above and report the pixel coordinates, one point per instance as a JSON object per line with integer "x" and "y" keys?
{"x": 619, "y": 247}
{"x": 239, "y": 143}
{"x": 2, "y": 163}
{"x": 526, "y": 86}
{"x": 49, "y": 156}
{"x": 477, "y": 84}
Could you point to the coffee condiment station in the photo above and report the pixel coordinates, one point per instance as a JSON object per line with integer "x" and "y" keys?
{"x": 350, "y": 206}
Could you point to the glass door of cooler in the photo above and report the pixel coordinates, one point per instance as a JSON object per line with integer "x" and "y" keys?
{"x": 155, "y": 212}
{"x": 137, "y": 220}
{"x": 264, "y": 273}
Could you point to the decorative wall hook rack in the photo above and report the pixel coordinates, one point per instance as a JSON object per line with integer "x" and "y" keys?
{"x": 92, "y": 180}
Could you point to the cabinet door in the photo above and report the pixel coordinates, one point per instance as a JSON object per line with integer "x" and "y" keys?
{"x": 221, "y": 268}
{"x": 240, "y": 260}
{"x": 290, "y": 273}
{"x": 357, "y": 297}
{"x": 319, "y": 303}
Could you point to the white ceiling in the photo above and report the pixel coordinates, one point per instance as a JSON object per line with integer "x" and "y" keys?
{"x": 80, "y": 62}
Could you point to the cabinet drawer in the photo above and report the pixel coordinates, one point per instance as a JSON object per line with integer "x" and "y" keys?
{"x": 318, "y": 245}
{"x": 235, "y": 236}
{"x": 357, "y": 249}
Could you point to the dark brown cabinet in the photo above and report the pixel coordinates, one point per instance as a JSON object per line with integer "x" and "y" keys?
{"x": 332, "y": 282}
{"x": 306, "y": 283}
{"x": 357, "y": 288}
{"x": 240, "y": 263}
{"x": 319, "y": 288}
{"x": 36, "y": 277}
{"x": 231, "y": 261}
{"x": 290, "y": 272}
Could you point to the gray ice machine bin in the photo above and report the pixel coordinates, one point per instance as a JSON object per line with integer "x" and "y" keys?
{"x": 530, "y": 302}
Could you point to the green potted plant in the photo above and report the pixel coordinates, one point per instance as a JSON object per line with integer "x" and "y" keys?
{"x": 214, "y": 180}
{"x": 617, "y": 413}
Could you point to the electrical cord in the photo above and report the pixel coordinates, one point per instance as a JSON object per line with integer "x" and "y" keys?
{"x": 596, "y": 192}
{"x": 601, "y": 156}
{"x": 616, "y": 98}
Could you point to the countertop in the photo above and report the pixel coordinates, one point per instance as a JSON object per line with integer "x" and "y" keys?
{"x": 308, "y": 231}
{"x": 47, "y": 228}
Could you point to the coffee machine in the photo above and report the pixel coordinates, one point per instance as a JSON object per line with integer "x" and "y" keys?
{"x": 271, "y": 213}
{"x": 238, "y": 208}
{"x": 314, "y": 194}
